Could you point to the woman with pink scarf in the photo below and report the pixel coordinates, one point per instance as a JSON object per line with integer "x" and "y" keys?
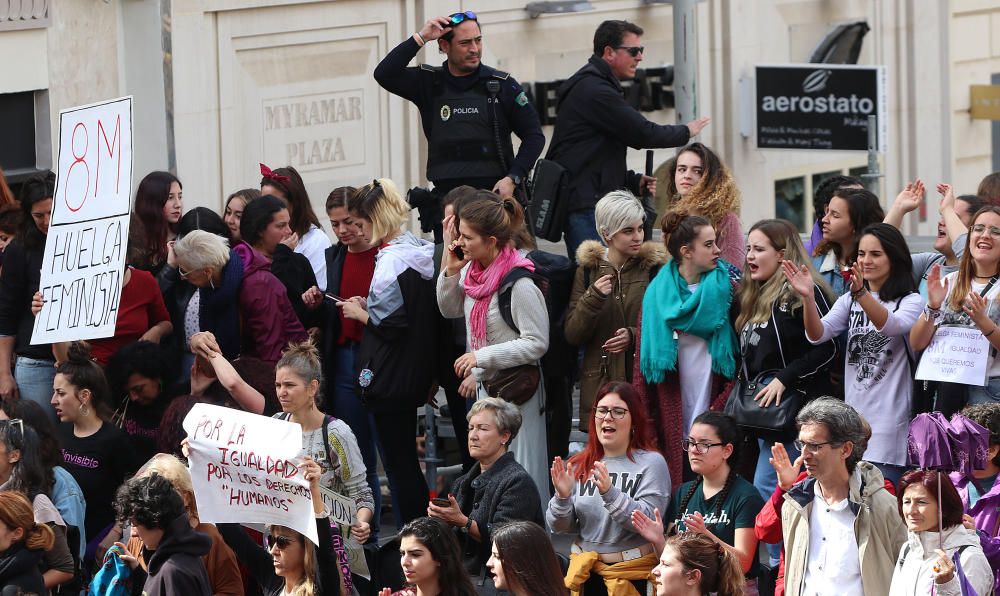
{"x": 470, "y": 286}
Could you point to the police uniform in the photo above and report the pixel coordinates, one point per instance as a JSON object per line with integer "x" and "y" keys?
{"x": 463, "y": 117}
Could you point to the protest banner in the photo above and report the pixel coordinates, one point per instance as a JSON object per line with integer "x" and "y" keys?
{"x": 84, "y": 260}
{"x": 955, "y": 355}
{"x": 244, "y": 469}
{"x": 343, "y": 511}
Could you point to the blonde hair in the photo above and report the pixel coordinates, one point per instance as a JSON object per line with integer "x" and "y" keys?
{"x": 615, "y": 211}
{"x": 757, "y": 298}
{"x": 199, "y": 249}
{"x": 175, "y": 472}
{"x": 307, "y": 585}
{"x": 382, "y": 205}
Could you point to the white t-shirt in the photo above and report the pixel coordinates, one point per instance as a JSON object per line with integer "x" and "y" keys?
{"x": 834, "y": 565}
{"x": 313, "y": 247}
{"x": 960, "y": 319}
{"x": 878, "y": 380}
{"x": 694, "y": 365}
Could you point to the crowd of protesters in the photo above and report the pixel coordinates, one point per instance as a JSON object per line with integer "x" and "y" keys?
{"x": 713, "y": 367}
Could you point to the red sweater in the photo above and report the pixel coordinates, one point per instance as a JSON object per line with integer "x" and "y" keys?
{"x": 356, "y": 279}
{"x": 141, "y": 307}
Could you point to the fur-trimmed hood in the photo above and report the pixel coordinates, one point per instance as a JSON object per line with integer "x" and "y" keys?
{"x": 592, "y": 253}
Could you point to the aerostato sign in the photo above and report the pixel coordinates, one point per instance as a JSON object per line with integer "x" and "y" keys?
{"x": 820, "y": 106}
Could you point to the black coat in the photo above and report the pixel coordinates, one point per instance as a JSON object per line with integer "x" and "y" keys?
{"x": 176, "y": 566}
{"x": 505, "y": 493}
{"x": 19, "y": 281}
{"x": 594, "y": 128}
{"x": 19, "y": 567}
{"x": 295, "y": 272}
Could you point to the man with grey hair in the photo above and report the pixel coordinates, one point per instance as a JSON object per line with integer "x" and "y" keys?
{"x": 841, "y": 527}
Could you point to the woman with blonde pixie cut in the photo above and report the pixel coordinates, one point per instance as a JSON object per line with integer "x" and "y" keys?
{"x": 607, "y": 294}
{"x": 223, "y": 570}
{"x": 394, "y": 361}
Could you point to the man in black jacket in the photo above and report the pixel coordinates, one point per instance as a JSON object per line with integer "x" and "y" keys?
{"x": 595, "y": 126}
{"x": 468, "y": 110}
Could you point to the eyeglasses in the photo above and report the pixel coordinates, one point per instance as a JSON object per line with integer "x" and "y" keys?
{"x": 699, "y": 448}
{"x": 459, "y": 17}
{"x": 811, "y": 447}
{"x": 182, "y": 273}
{"x": 632, "y": 50}
{"x": 616, "y": 413}
{"x": 281, "y": 541}
{"x": 981, "y": 229}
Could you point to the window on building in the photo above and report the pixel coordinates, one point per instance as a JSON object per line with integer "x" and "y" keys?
{"x": 790, "y": 201}
{"x": 17, "y": 110}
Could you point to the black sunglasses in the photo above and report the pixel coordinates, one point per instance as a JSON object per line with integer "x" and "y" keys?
{"x": 459, "y": 17}
{"x": 281, "y": 541}
{"x": 632, "y": 50}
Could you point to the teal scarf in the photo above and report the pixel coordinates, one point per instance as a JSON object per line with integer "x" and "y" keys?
{"x": 669, "y": 306}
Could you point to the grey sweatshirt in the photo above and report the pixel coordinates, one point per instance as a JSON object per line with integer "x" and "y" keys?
{"x": 603, "y": 522}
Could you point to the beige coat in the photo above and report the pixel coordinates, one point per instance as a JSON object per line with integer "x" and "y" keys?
{"x": 878, "y": 527}
{"x": 593, "y": 318}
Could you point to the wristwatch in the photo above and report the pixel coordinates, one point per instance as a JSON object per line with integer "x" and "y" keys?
{"x": 467, "y": 526}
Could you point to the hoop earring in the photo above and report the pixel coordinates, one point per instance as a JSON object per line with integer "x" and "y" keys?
{"x": 84, "y": 409}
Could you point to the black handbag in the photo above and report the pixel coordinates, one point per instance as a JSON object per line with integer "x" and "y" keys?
{"x": 549, "y": 198}
{"x": 774, "y": 419}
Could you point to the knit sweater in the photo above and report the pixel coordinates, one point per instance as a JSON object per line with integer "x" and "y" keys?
{"x": 504, "y": 348}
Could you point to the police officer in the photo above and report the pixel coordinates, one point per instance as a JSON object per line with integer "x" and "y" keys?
{"x": 468, "y": 109}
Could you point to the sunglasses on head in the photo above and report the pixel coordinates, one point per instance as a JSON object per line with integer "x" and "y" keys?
{"x": 459, "y": 17}
{"x": 281, "y": 541}
{"x": 632, "y": 50}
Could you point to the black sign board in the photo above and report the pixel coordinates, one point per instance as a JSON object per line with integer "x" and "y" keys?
{"x": 819, "y": 106}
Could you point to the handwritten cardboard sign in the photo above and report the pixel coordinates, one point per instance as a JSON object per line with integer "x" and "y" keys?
{"x": 343, "y": 511}
{"x": 84, "y": 260}
{"x": 955, "y": 355}
{"x": 244, "y": 468}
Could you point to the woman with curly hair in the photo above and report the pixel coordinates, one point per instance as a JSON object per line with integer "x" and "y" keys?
{"x": 171, "y": 548}
{"x": 700, "y": 184}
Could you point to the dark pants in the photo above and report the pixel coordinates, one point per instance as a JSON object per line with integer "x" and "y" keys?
{"x": 347, "y": 406}
{"x": 397, "y": 432}
{"x": 559, "y": 413}
{"x": 580, "y": 226}
{"x": 458, "y": 406}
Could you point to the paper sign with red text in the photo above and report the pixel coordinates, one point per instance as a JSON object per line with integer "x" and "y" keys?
{"x": 245, "y": 469}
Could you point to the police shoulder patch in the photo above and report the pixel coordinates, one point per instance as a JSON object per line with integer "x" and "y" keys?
{"x": 521, "y": 99}
{"x": 499, "y": 74}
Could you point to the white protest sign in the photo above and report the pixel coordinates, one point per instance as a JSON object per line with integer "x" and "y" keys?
{"x": 955, "y": 355}
{"x": 243, "y": 467}
{"x": 84, "y": 260}
{"x": 343, "y": 511}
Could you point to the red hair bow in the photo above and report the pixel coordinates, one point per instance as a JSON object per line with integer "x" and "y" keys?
{"x": 266, "y": 172}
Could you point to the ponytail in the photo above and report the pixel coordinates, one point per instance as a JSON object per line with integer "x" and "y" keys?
{"x": 720, "y": 568}
{"x": 39, "y": 537}
{"x": 680, "y": 230}
{"x": 83, "y": 372}
{"x": 491, "y": 215}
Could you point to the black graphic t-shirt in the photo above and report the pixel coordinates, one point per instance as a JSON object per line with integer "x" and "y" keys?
{"x": 739, "y": 510}
{"x": 100, "y": 464}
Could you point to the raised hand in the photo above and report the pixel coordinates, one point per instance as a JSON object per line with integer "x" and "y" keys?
{"x": 799, "y": 279}
{"x": 947, "y": 196}
{"x": 650, "y": 529}
{"x": 910, "y": 198}
{"x": 975, "y": 306}
{"x": 857, "y": 278}
{"x": 696, "y": 126}
{"x": 601, "y": 477}
{"x": 937, "y": 287}
{"x": 786, "y": 471}
{"x": 563, "y": 477}
{"x": 434, "y": 28}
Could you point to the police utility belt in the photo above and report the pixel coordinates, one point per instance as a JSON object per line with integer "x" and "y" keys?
{"x": 619, "y": 557}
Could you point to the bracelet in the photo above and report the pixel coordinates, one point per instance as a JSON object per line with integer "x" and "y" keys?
{"x": 859, "y": 293}
{"x": 423, "y": 41}
{"x": 991, "y": 331}
{"x": 931, "y": 315}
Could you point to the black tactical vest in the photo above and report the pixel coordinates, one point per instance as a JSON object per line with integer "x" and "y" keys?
{"x": 462, "y": 143}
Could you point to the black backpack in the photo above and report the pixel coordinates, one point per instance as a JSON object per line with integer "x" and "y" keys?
{"x": 554, "y": 277}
